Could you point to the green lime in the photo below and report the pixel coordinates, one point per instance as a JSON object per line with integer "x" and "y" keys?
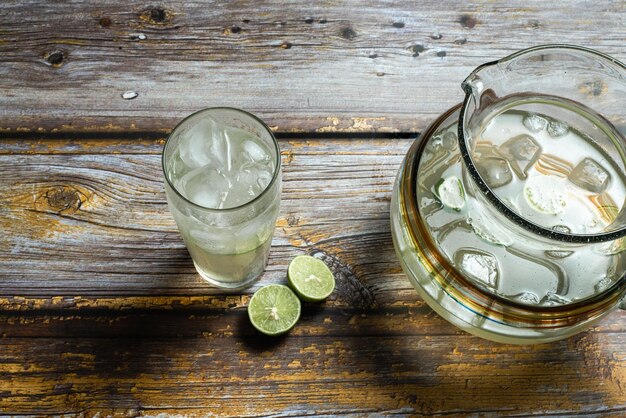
{"x": 545, "y": 194}
{"x": 451, "y": 193}
{"x": 274, "y": 309}
{"x": 310, "y": 278}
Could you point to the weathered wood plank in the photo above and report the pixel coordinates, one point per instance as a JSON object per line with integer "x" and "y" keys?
{"x": 232, "y": 373}
{"x": 101, "y": 312}
{"x": 217, "y": 315}
{"x": 326, "y": 66}
{"x": 78, "y": 222}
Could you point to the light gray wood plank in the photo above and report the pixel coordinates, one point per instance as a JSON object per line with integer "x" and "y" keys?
{"x": 326, "y": 66}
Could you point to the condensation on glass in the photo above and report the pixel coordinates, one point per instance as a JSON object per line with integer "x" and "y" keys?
{"x": 223, "y": 184}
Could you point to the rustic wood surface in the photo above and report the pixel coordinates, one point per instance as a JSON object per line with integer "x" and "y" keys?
{"x": 323, "y": 65}
{"x": 101, "y": 312}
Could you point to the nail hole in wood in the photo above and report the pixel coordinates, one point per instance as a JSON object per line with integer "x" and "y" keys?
{"x": 398, "y": 25}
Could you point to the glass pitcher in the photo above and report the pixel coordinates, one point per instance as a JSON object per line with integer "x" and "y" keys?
{"x": 508, "y": 212}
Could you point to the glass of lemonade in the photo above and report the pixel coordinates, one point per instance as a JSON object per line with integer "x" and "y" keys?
{"x": 509, "y": 213}
{"x": 223, "y": 183}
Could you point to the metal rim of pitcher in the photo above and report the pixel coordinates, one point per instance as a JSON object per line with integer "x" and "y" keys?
{"x": 486, "y": 190}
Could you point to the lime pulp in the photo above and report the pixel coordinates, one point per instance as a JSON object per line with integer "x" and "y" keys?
{"x": 310, "y": 278}
{"x": 274, "y": 309}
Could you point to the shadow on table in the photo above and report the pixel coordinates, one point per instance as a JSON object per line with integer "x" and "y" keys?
{"x": 406, "y": 356}
{"x": 402, "y": 355}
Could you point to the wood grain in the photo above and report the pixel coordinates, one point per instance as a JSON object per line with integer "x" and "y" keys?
{"x": 84, "y": 222}
{"x": 102, "y": 313}
{"x": 333, "y": 363}
{"x": 324, "y": 66}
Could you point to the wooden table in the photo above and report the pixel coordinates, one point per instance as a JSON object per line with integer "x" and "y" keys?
{"x": 101, "y": 309}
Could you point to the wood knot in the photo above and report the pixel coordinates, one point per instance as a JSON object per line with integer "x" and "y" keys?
{"x": 231, "y": 30}
{"x": 61, "y": 199}
{"x": 105, "y": 21}
{"x": 347, "y": 33}
{"x": 155, "y": 15}
{"x": 468, "y": 21}
{"x": 56, "y": 58}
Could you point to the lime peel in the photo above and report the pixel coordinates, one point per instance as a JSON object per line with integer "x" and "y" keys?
{"x": 310, "y": 278}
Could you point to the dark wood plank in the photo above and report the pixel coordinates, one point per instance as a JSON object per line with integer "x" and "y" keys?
{"x": 325, "y": 66}
{"x": 229, "y": 370}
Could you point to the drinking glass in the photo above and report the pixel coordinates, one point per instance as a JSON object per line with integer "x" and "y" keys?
{"x": 223, "y": 185}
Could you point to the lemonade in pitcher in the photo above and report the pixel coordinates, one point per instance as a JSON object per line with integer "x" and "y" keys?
{"x": 548, "y": 173}
{"x": 508, "y": 212}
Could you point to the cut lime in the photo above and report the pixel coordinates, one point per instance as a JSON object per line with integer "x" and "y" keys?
{"x": 310, "y": 278}
{"x": 274, "y": 309}
{"x": 450, "y": 192}
{"x": 545, "y": 194}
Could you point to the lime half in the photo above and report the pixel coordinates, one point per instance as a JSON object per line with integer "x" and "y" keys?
{"x": 274, "y": 309}
{"x": 450, "y": 192}
{"x": 310, "y": 278}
